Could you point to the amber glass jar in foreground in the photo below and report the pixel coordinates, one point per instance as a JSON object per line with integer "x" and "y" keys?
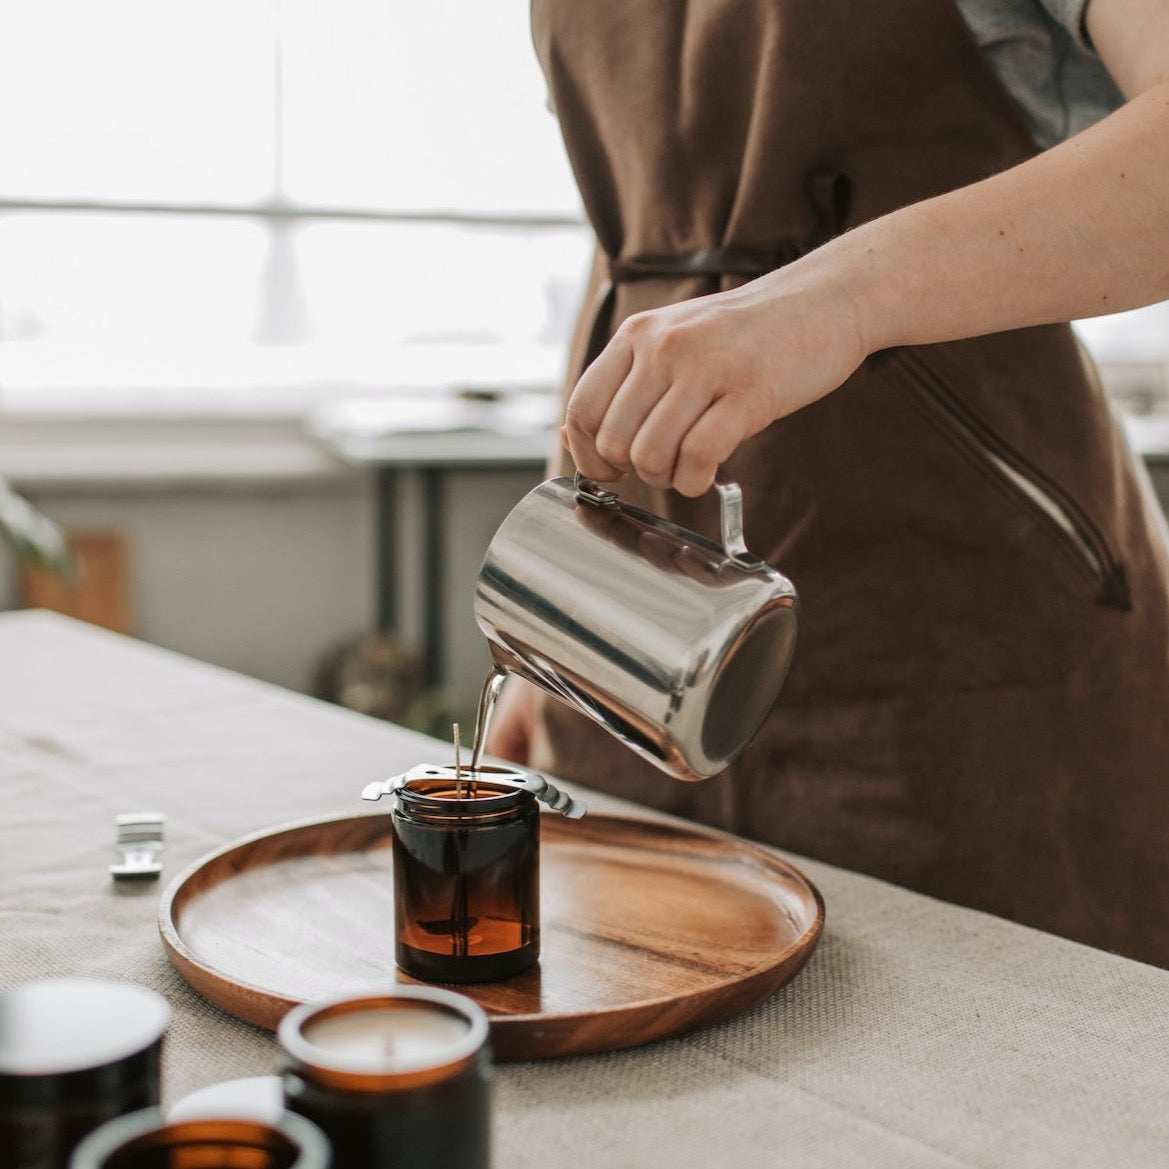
{"x": 396, "y": 1080}
{"x": 147, "y": 1140}
{"x": 466, "y": 879}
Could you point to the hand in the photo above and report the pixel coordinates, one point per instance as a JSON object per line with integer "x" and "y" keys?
{"x": 677, "y": 389}
{"x": 510, "y": 734}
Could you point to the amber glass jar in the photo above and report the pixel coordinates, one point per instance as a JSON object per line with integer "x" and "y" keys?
{"x": 147, "y": 1140}
{"x": 466, "y": 879}
{"x": 394, "y": 1079}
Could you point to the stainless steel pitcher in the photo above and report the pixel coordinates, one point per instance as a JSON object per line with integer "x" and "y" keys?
{"x": 672, "y": 642}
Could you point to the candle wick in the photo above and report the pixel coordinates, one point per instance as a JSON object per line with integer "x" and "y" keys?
{"x": 458, "y": 766}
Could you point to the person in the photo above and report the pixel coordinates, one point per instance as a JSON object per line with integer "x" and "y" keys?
{"x": 834, "y": 261}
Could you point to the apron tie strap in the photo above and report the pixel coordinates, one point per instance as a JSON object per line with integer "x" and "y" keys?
{"x": 708, "y": 262}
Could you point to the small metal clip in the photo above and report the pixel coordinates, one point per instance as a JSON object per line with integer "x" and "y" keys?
{"x": 589, "y": 492}
{"x": 140, "y": 840}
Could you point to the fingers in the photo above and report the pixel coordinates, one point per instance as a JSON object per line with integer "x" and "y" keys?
{"x": 672, "y": 437}
{"x": 628, "y": 412}
{"x": 636, "y": 398}
{"x": 706, "y": 445}
{"x": 678, "y": 388}
{"x": 673, "y": 394}
{"x": 670, "y": 434}
{"x": 590, "y": 402}
{"x": 662, "y": 447}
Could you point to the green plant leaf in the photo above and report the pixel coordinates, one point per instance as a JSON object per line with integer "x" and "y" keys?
{"x": 32, "y": 536}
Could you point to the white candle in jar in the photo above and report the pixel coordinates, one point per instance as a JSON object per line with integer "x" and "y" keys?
{"x": 395, "y": 1077}
{"x": 387, "y": 1038}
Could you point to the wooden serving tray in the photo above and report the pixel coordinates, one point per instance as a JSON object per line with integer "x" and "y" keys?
{"x": 647, "y": 929}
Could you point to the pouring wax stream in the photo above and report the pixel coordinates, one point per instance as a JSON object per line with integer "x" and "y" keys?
{"x": 488, "y": 697}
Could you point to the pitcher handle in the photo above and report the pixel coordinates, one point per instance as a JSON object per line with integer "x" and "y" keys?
{"x": 730, "y": 498}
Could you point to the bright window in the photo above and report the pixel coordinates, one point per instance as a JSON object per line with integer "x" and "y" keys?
{"x": 274, "y": 190}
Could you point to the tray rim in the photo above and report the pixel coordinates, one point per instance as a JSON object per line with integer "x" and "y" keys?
{"x": 752, "y": 988}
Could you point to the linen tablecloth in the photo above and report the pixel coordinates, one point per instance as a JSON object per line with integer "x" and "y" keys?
{"x": 919, "y": 1034}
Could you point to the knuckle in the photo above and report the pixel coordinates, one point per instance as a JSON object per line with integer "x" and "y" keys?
{"x": 694, "y": 449}
{"x": 671, "y": 342}
{"x": 692, "y": 484}
{"x": 651, "y": 335}
{"x": 697, "y": 466}
{"x": 635, "y": 327}
{"x": 652, "y": 460}
{"x": 612, "y": 449}
{"x": 579, "y": 418}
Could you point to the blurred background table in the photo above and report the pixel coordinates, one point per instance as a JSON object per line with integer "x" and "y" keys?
{"x": 919, "y": 1034}
{"x": 425, "y": 438}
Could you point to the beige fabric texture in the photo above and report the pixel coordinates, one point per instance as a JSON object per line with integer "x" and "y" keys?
{"x": 919, "y": 1034}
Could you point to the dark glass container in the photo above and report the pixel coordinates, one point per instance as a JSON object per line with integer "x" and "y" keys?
{"x": 147, "y": 1140}
{"x": 393, "y": 1080}
{"x": 74, "y": 1053}
{"x": 466, "y": 879}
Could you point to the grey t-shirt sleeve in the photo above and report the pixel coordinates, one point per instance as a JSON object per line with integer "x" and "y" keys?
{"x": 1070, "y": 14}
{"x": 1039, "y": 51}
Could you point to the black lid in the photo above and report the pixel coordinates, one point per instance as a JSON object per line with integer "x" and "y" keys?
{"x": 69, "y": 1038}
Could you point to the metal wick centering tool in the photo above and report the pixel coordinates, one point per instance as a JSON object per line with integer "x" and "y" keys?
{"x": 140, "y": 840}
{"x": 548, "y": 794}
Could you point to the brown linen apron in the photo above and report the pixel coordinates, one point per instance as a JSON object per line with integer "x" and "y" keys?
{"x": 979, "y": 703}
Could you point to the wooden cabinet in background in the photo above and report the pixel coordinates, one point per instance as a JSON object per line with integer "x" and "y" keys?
{"x": 100, "y": 589}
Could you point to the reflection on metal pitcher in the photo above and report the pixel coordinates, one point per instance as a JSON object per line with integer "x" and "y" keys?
{"x": 678, "y": 645}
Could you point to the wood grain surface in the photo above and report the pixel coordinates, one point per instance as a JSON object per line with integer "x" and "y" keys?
{"x": 649, "y": 929}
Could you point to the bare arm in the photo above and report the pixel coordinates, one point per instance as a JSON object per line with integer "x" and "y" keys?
{"x": 1080, "y": 230}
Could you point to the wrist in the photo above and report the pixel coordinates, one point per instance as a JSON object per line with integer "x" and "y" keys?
{"x": 858, "y": 268}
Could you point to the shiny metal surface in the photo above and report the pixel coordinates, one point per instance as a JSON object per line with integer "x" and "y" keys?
{"x": 538, "y": 785}
{"x": 139, "y": 843}
{"x": 673, "y": 643}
